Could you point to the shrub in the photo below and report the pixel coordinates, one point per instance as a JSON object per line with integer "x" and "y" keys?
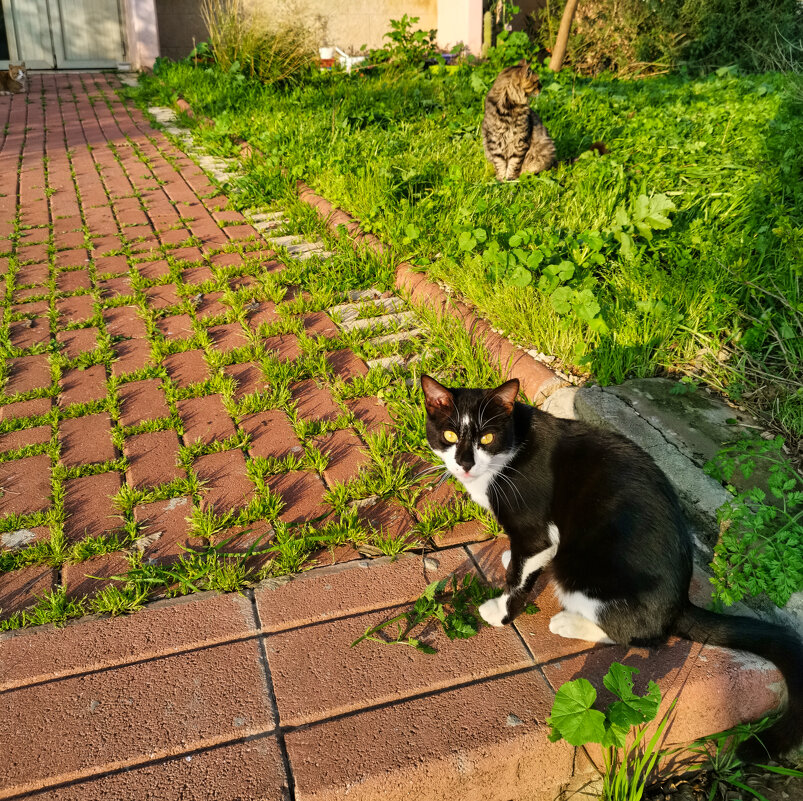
{"x": 245, "y": 41}
{"x": 406, "y": 48}
{"x": 650, "y": 36}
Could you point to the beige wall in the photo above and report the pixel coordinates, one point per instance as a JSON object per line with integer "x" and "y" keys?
{"x": 348, "y": 24}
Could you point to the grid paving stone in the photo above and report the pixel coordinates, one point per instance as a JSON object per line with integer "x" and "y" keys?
{"x": 190, "y": 700}
{"x": 111, "y": 265}
{"x": 319, "y": 324}
{"x": 77, "y": 341}
{"x": 22, "y": 588}
{"x": 392, "y": 519}
{"x": 29, "y": 332}
{"x": 22, "y": 409}
{"x": 248, "y": 377}
{"x": 303, "y": 496}
{"x": 314, "y": 402}
{"x": 154, "y": 269}
{"x": 271, "y": 434}
{"x": 140, "y": 401}
{"x": 116, "y": 287}
{"x": 71, "y": 258}
{"x": 430, "y": 749}
{"x": 347, "y": 455}
{"x": 187, "y": 368}
{"x": 32, "y": 274}
{"x": 73, "y": 280}
{"x": 86, "y": 440}
{"x": 88, "y": 506}
{"x": 227, "y": 486}
{"x": 25, "y": 485}
{"x": 210, "y": 305}
{"x": 87, "y": 578}
{"x": 162, "y": 297}
{"x": 196, "y": 275}
{"x": 241, "y": 771}
{"x": 205, "y": 419}
{"x": 22, "y": 538}
{"x": 27, "y": 373}
{"x": 24, "y": 437}
{"x": 176, "y": 326}
{"x": 261, "y": 312}
{"x": 23, "y": 295}
{"x": 461, "y": 533}
{"x": 30, "y": 308}
{"x": 316, "y": 674}
{"x": 228, "y": 336}
{"x": 346, "y": 364}
{"x": 82, "y": 385}
{"x": 284, "y": 347}
{"x": 165, "y": 529}
{"x": 152, "y": 459}
{"x": 131, "y": 355}
{"x": 75, "y": 309}
{"x": 124, "y": 321}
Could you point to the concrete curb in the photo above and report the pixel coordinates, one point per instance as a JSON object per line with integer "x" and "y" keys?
{"x": 537, "y": 381}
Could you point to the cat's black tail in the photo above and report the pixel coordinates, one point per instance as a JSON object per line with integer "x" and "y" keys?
{"x": 775, "y": 643}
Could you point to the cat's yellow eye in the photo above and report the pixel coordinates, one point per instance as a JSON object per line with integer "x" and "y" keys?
{"x": 450, "y": 436}
{"x": 487, "y": 439}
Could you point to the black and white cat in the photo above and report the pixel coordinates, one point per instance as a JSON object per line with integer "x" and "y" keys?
{"x": 595, "y": 508}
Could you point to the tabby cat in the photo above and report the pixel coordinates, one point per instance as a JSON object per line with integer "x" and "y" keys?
{"x": 513, "y": 135}
{"x": 595, "y": 508}
{"x": 13, "y": 80}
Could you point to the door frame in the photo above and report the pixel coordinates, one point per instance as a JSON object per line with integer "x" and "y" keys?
{"x": 54, "y": 44}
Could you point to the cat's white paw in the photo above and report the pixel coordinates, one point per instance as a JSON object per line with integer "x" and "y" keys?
{"x": 506, "y": 559}
{"x": 574, "y": 627}
{"x": 493, "y": 611}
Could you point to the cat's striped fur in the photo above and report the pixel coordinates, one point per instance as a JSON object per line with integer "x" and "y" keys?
{"x": 513, "y": 135}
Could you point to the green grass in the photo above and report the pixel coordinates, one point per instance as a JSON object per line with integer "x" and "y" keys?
{"x": 716, "y": 294}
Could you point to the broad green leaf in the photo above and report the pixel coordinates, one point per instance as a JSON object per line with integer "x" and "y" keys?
{"x": 466, "y": 241}
{"x": 565, "y": 270}
{"x": 561, "y": 299}
{"x": 480, "y": 234}
{"x": 520, "y": 277}
{"x": 572, "y": 715}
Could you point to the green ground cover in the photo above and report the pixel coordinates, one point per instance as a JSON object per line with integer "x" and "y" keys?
{"x": 679, "y": 250}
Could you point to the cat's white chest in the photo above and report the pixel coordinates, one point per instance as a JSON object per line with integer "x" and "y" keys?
{"x": 478, "y": 489}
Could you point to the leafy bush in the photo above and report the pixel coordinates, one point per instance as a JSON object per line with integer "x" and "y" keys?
{"x": 245, "y": 42}
{"x": 648, "y": 36}
{"x": 760, "y": 548}
{"x": 407, "y": 48}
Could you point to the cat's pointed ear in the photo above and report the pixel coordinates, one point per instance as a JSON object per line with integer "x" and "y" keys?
{"x": 436, "y": 396}
{"x": 506, "y": 395}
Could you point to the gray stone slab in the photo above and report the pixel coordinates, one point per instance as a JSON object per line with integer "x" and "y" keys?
{"x": 700, "y": 495}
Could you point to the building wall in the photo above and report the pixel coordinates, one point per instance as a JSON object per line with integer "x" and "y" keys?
{"x": 180, "y": 27}
{"x": 347, "y": 24}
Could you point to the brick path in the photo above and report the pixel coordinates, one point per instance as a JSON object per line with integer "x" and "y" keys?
{"x": 130, "y": 287}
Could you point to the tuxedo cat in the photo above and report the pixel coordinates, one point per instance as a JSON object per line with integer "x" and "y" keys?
{"x": 595, "y": 508}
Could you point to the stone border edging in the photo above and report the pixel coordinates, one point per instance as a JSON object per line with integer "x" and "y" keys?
{"x": 537, "y": 380}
